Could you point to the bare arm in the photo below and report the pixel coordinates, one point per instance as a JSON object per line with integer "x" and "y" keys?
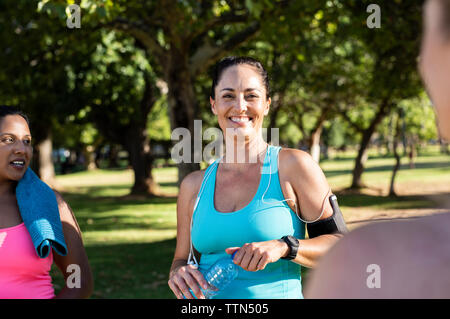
{"x": 310, "y": 250}
{"x": 76, "y": 255}
{"x": 311, "y": 191}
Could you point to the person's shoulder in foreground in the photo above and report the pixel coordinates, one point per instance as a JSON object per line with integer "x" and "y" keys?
{"x": 396, "y": 259}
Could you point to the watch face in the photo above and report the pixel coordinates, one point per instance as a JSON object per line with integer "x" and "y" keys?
{"x": 292, "y": 240}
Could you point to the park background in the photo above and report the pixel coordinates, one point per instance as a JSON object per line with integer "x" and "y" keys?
{"x": 104, "y": 98}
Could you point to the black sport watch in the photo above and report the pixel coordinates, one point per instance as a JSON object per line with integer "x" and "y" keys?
{"x": 293, "y": 244}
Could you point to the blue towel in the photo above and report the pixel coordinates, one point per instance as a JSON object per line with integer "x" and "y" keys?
{"x": 39, "y": 210}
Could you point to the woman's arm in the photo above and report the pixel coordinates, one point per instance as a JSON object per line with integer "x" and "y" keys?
{"x": 299, "y": 175}
{"x": 310, "y": 250}
{"x": 183, "y": 277}
{"x": 76, "y": 256}
{"x": 306, "y": 182}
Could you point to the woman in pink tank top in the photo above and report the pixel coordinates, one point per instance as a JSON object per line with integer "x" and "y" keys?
{"x": 23, "y": 274}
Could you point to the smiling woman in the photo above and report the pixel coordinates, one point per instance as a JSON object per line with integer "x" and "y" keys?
{"x": 242, "y": 101}
{"x": 24, "y": 273}
{"x": 248, "y": 201}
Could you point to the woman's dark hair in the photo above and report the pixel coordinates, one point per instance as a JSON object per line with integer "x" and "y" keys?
{"x": 229, "y": 61}
{"x": 6, "y": 110}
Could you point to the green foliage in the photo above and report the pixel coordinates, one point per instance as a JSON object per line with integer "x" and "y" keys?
{"x": 320, "y": 54}
{"x": 159, "y": 122}
{"x": 37, "y": 56}
{"x": 419, "y": 118}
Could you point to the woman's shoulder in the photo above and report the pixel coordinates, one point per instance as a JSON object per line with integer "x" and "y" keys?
{"x": 292, "y": 159}
{"x": 189, "y": 188}
{"x": 299, "y": 169}
{"x": 190, "y": 185}
{"x": 62, "y": 204}
{"x": 65, "y": 211}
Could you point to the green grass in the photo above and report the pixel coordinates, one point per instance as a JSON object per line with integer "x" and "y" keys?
{"x": 130, "y": 242}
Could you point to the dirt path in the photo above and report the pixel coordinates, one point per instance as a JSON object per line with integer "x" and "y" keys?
{"x": 439, "y": 192}
{"x": 356, "y": 217}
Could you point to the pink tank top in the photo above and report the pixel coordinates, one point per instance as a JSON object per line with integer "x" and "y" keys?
{"x": 23, "y": 275}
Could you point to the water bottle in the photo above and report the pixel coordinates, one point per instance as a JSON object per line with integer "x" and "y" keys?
{"x": 220, "y": 275}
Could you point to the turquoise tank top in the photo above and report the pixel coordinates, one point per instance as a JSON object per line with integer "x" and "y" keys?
{"x": 261, "y": 220}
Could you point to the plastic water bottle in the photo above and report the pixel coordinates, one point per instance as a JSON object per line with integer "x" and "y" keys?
{"x": 220, "y": 275}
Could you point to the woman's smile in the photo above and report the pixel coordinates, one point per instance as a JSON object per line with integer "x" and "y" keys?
{"x": 241, "y": 120}
{"x": 241, "y": 103}
{"x": 18, "y": 164}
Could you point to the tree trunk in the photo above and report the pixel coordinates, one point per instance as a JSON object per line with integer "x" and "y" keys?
{"x": 46, "y": 169}
{"x": 316, "y": 132}
{"x": 89, "y": 155}
{"x": 113, "y": 156}
{"x": 141, "y": 161}
{"x": 412, "y": 152}
{"x": 395, "y": 141}
{"x": 444, "y": 149}
{"x": 137, "y": 144}
{"x": 182, "y": 107}
{"x": 367, "y": 134}
{"x": 314, "y": 144}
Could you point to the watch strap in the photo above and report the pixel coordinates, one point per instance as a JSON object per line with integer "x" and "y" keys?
{"x": 293, "y": 244}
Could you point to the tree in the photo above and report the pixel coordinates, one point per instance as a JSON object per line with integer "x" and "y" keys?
{"x": 121, "y": 92}
{"x": 185, "y": 38}
{"x": 394, "y": 75}
{"x": 315, "y": 70}
{"x": 414, "y": 123}
{"x": 35, "y": 52}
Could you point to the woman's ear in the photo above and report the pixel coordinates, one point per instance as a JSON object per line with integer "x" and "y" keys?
{"x": 213, "y": 105}
{"x": 266, "y": 110}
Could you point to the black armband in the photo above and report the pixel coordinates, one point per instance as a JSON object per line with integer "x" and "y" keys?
{"x": 333, "y": 224}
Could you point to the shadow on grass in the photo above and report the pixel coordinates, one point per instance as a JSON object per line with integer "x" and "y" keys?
{"x": 119, "y": 213}
{"x": 388, "y": 168}
{"x": 399, "y": 202}
{"x": 82, "y": 200}
{"x": 168, "y": 184}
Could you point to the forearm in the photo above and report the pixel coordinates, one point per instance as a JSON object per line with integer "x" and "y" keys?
{"x": 176, "y": 263}
{"x": 310, "y": 250}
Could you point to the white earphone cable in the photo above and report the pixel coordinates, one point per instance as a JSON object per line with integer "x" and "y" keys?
{"x": 191, "y": 258}
{"x": 289, "y": 199}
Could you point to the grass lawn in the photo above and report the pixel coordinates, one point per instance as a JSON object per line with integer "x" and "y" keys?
{"x": 130, "y": 242}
